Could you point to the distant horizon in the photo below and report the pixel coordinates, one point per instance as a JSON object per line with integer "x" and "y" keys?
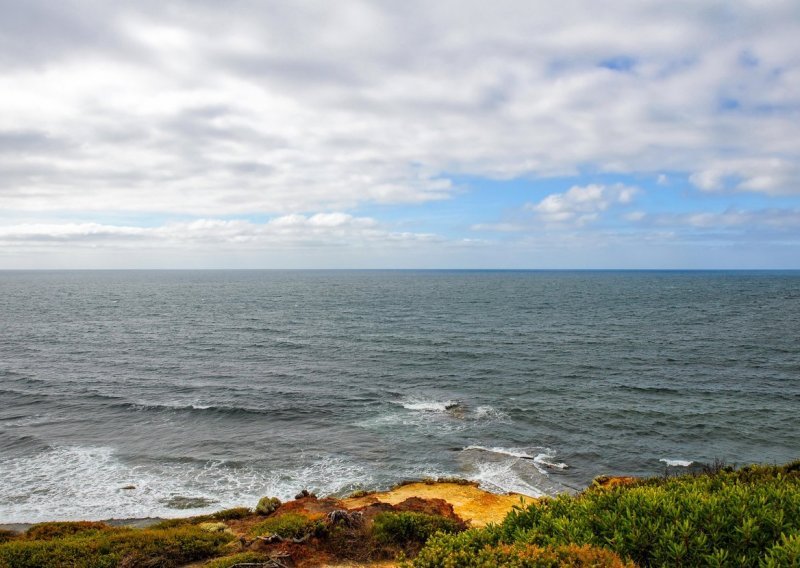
{"x": 277, "y": 269}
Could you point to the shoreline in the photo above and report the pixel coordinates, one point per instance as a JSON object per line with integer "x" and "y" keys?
{"x": 472, "y": 503}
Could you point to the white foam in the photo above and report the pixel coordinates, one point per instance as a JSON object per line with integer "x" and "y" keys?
{"x": 516, "y": 453}
{"x": 545, "y": 460}
{"x": 171, "y": 405}
{"x": 430, "y": 406}
{"x": 501, "y": 477}
{"x": 75, "y": 483}
{"x": 433, "y": 422}
{"x": 491, "y": 413}
{"x": 677, "y": 463}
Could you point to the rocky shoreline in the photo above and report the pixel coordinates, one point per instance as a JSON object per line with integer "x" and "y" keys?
{"x": 330, "y": 531}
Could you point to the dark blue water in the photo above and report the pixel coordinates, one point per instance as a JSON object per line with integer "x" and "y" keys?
{"x": 222, "y": 386}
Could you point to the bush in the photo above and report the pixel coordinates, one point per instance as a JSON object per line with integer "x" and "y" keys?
{"x": 722, "y": 518}
{"x": 49, "y": 531}
{"x": 405, "y": 527}
{"x": 785, "y": 553}
{"x": 232, "y": 514}
{"x": 6, "y": 535}
{"x": 112, "y": 547}
{"x": 446, "y": 552}
{"x": 290, "y": 525}
{"x": 267, "y": 505}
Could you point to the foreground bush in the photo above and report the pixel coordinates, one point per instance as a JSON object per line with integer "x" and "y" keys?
{"x": 408, "y": 527}
{"x": 725, "y": 518}
{"x": 454, "y": 552}
{"x": 290, "y": 525}
{"x": 109, "y": 547}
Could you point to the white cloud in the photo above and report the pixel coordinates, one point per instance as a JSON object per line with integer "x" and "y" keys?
{"x": 774, "y": 219}
{"x": 581, "y": 204}
{"x": 205, "y": 109}
{"x": 195, "y": 110}
{"x": 322, "y": 229}
{"x": 768, "y": 175}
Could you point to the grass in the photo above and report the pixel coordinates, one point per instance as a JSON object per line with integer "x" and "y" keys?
{"x": 236, "y": 559}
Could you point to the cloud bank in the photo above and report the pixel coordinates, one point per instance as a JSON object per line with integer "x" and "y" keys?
{"x": 307, "y": 112}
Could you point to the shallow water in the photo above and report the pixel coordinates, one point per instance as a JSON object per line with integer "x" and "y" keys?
{"x": 222, "y": 386}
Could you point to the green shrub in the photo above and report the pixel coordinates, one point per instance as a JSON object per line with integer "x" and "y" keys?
{"x": 113, "y": 547}
{"x": 723, "y": 518}
{"x": 784, "y": 554}
{"x": 267, "y": 505}
{"x": 224, "y": 515}
{"x": 290, "y": 525}
{"x": 49, "y": 531}
{"x": 232, "y": 514}
{"x": 6, "y": 535}
{"x": 241, "y": 558}
{"x": 448, "y": 552}
{"x": 183, "y": 522}
{"x": 407, "y": 527}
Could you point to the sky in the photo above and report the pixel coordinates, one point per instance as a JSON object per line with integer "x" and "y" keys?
{"x": 414, "y": 134}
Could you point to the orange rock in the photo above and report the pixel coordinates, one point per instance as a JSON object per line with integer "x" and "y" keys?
{"x": 469, "y": 502}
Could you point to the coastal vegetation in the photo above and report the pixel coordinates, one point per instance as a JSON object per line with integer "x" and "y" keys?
{"x": 96, "y": 545}
{"x": 748, "y": 517}
{"x": 722, "y": 517}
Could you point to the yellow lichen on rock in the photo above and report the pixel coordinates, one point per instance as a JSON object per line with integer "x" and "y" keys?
{"x": 470, "y": 503}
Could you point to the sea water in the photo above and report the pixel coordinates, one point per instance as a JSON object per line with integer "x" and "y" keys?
{"x": 160, "y": 393}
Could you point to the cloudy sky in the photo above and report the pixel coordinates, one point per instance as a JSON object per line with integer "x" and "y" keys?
{"x": 503, "y": 134}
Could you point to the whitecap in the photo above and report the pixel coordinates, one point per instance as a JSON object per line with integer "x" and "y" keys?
{"x": 430, "y": 405}
{"x": 491, "y": 413}
{"x": 541, "y": 460}
{"x": 677, "y": 463}
{"x": 545, "y": 459}
{"x": 504, "y": 451}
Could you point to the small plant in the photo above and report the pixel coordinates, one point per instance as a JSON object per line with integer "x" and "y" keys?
{"x": 267, "y": 505}
{"x": 407, "y": 527}
{"x": 213, "y": 527}
{"x": 290, "y": 525}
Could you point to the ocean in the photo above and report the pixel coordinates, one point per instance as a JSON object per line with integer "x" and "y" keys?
{"x": 169, "y": 393}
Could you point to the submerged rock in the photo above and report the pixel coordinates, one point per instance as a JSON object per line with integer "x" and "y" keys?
{"x": 181, "y": 502}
